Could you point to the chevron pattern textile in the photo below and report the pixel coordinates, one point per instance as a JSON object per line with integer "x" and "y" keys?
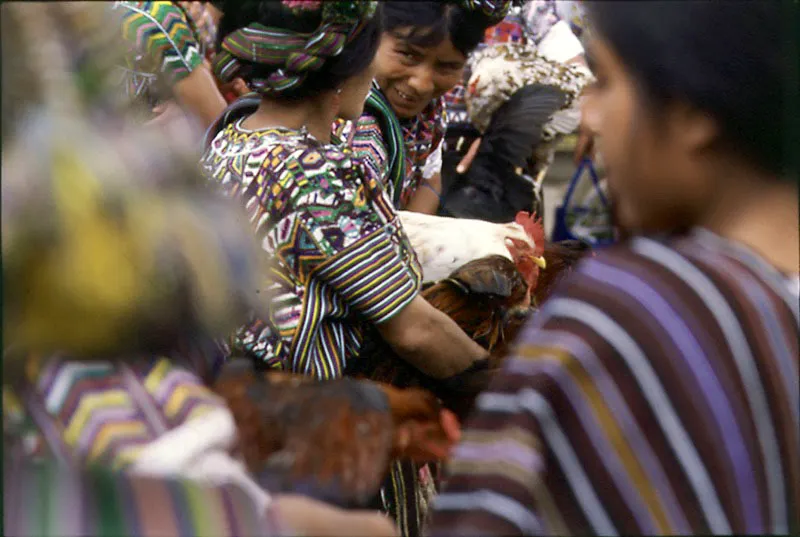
{"x": 164, "y": 48}
{"x": 101, "y": 412}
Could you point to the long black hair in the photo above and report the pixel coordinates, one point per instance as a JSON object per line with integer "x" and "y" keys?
{"x": 736, "y": 61}
{"x": 353, "y": 60}
{"x": 432, "y": 22}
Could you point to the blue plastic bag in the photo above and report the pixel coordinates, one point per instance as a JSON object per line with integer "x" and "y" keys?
{"x": 567, "y": 214}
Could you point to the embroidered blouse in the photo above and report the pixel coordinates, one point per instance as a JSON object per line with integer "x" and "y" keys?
{"x": 168, "y": 40}
{"x": 379, "y": 137}
{"x": 339, "y": 255}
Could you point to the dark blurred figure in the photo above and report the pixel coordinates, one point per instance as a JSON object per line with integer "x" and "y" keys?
{"x": 656, "y": 392}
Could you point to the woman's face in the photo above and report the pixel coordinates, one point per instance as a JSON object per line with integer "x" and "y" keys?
{"x": 657, "y": 162}
{"x": 354, "y": 92}
{"x": 411, "y": 76}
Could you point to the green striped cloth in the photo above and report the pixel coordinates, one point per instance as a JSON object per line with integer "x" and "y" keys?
{"x": 45, "y": 499}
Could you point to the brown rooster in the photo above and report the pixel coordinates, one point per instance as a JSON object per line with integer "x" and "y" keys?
{"x": 489, "y": 298}
{"x": 335, "y": 440}
{"x": 330, "y": 440}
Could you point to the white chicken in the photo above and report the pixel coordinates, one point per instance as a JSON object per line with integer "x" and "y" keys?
{"x": 444, "y": 244}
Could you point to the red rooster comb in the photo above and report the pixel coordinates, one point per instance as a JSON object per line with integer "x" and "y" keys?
{"x": 534, "y": 228}
{"x": 528, "y": 260}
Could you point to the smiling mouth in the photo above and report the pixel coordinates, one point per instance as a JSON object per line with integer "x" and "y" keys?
{"x": 406, "y": 98}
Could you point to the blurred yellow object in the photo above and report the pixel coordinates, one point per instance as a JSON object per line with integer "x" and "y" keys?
{"x": 111, "y": 240}
{"x": 112, "y": 243}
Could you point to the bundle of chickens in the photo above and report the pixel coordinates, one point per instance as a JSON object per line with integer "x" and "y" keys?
{"x": 335, "y": 440}
{"x": 330, "y": 440}
{"x": 489, "y": 278}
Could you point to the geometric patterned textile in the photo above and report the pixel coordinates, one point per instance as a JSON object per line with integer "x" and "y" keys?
{"x": 421, "y": 136}
{"x": 165, "y": 44}
{"x": 100, "y": 412}
{"x": 340, "y": 257}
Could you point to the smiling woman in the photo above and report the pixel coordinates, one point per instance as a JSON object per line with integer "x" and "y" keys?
{"x": 422, "y": 54}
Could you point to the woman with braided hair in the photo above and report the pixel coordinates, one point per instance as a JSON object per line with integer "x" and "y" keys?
{"x": 423, "y": 51}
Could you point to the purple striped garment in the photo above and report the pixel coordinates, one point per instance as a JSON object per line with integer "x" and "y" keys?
{"x": 656, "y": 392}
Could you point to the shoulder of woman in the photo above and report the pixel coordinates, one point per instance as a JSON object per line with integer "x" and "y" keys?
{"x": 646, "y": 284}
{"x": 161, "y": 31}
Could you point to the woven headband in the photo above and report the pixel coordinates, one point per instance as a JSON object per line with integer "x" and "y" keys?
{"x": 494, "y": 10}
{"x": 295, "y": 54}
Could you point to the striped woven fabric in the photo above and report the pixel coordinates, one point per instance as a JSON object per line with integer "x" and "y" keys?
{"x": 380, "y": 139}
{"x": 43, "y": 499}
{"x": 656, "y": 392}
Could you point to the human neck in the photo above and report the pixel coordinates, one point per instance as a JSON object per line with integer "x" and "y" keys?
{"x": 763, "y": 215}
{"x": 311, "y": 114}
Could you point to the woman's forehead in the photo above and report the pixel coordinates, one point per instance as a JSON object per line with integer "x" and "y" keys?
{"x": 428, "y": 42}
{"x": 599, "y": 55}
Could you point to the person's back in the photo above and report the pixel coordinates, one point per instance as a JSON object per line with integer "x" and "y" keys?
{"x": 656, "y": 391}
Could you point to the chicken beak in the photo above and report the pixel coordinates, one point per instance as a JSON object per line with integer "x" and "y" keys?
{"x": 540, "y": 262}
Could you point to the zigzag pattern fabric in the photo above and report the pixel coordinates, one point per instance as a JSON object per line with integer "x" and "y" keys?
{"x": 162, "y": 38}
{"x": 101, "y": 412}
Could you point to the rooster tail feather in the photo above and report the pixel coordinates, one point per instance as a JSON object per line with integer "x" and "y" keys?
{"x": 517, "y": 126}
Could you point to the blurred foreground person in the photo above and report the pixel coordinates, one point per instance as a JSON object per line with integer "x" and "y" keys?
{"x": 656, "y": 391}
{"x": 119, "y": 267}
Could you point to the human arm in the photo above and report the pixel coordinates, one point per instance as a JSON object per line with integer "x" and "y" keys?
{"x": 428, "y": 196}
{"x": 308, "y": 517}
{"x": 430, "y": 340}
{"x": 162, "y": 34}
{"x": 199, "y": 94}
{"x": 429, "y": 193}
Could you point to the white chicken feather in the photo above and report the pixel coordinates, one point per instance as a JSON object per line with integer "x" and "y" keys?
{"x": 444, "y": 244}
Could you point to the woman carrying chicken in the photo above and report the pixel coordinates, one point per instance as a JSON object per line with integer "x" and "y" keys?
{"x": 119, "y": 269}
{"x": 341, "y": 259}
{"x": 422, "y": 54}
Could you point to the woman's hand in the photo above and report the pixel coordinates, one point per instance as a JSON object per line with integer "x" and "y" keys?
{"x": 430, "y": 341}
{"x": 170, "y": 118}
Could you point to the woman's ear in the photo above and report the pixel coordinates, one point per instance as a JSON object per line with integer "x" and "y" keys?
{"x": 695, "y": 129}
{"x": 337, "y": 101}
